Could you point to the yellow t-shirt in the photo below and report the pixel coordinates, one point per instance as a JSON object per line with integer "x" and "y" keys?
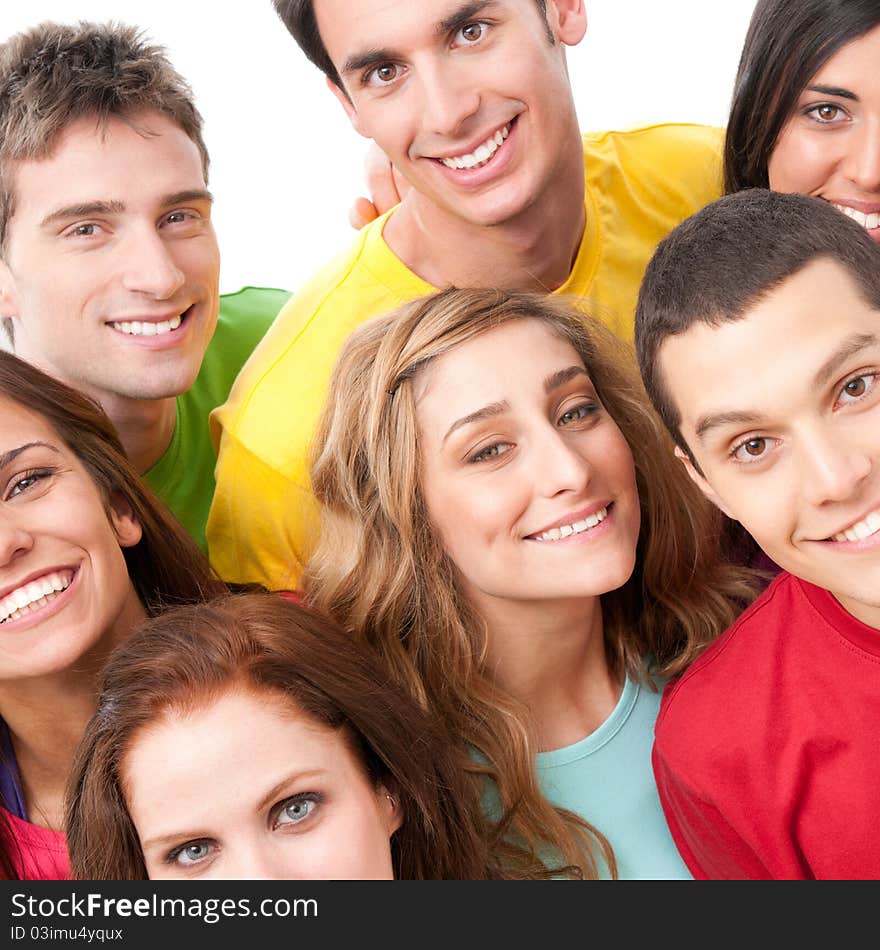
{"x": 263, "y": 521}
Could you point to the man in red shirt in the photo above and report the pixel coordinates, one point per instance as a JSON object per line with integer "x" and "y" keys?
{"x": 758, "y": 337}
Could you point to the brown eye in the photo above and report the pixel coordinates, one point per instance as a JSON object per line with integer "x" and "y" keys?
{"x": 472, "y": 32}
{"x": 386, "y": 73}
{"x": 755, "y": 447}
{"x": 856, "y": 387}
{"x": 827, "y": 113}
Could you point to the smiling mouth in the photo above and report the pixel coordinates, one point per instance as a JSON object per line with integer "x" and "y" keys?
{"x": 869, "y": 525}
{"x": 868, "y": 221}
{"x": 576, "y": 527}
{"x": 482, "y": 154}
{"x": 34, "y": 595}
{"x": 149, "y": 328}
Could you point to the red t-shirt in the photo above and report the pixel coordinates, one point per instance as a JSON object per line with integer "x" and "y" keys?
{"x": 767, "y": 749}
{"x": 38, "y": 854}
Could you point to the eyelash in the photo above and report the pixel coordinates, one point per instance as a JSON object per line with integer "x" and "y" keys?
{"x": 809, "y": 113}
{"x": 367, "y": 78}
{"x": 303, "y": 798}
{"x": 862, "y": 374}
{"x": 35, "y": 475}
{"x": 586, "y": 409}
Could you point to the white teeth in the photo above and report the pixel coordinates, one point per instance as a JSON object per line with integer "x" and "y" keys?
{"x": 32, "y": 596}
{"x": 481, "y": 154}
{"x": 861, "y": 529}
{"x": 136, "y": 328}
{"x": 555, "y": 534}
{"x": 867, "y": 221}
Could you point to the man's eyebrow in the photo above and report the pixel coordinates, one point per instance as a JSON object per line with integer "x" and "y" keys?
{"x": 13, "y": 454}
{"x": 85, "y": 209}
{"x": 462, "y": 16}
{"x": 190, "y": 194}
{"x": 562, "y": 376}
{"x": 855, "y": 344}
{"x": 836, "y": 91}
{"x": 493, "y": 409}
{"x": 369, "y": 58}
{"x": 715, "y": 420}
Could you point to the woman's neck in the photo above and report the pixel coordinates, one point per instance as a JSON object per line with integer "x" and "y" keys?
{"x": 552, "y": 658}
{"x": 46, "y": 719}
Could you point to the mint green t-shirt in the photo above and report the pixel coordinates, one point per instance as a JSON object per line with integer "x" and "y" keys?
{"x": 607, "y": 778}
{"x": 184, "y": 477}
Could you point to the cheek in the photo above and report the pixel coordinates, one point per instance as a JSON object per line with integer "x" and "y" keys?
{"x": 799, "y": 164}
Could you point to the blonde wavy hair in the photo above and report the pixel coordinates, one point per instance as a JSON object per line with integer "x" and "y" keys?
{"x": 380, "y": 569}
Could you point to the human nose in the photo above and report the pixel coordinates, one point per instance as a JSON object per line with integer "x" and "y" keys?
{"x": 862, "y": 164}
{"x": 559, "y": 465}
{"x": 834, "y": 470}
{"x": 150, "y": 267}
{"x": 449, "y": 100}
{"x": 15, "y": 540}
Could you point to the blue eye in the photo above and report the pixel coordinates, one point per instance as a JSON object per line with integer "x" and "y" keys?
{"x": 191, "y": 853}
{"x": 295, "y": 810}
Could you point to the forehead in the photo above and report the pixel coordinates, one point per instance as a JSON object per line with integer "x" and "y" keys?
{"x": 767, "y": 361}
{"x": 353, "y": 27}
{"x": 120, "y": 159}
{"x": 19, "y": 424}
{"x": 857, "y": 56}
{"x": 185, "y": 749}
{"x": 505, "y": 363}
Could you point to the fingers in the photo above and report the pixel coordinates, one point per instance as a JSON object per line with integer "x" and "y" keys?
{"x": 361, "y": 213}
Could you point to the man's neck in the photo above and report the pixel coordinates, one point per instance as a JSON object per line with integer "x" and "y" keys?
{"x": 534, "y": 251}
{"x": 145, "y": 427}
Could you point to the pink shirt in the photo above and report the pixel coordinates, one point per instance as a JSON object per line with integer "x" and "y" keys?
{"x": 38, "y": 854}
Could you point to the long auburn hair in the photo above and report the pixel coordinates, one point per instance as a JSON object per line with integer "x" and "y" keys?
{"x": 190, "y": 656}
{"x": 381, "y": 570}
{"x": 166, "y": 566}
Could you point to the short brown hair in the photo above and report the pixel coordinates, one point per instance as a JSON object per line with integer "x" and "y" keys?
{"x": 55, "y": 73}
{"x": 717, "y": 264}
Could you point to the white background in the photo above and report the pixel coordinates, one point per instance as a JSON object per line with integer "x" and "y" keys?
{"x": 286, "y": 164}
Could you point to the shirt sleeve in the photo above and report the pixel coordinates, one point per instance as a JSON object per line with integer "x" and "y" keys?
{"x": 711, "y": 847}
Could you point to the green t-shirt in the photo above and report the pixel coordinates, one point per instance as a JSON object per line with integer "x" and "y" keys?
{"x": 184, "y": 477}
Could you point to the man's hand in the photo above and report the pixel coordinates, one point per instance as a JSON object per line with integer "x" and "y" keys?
{"x": 385, "y": 185}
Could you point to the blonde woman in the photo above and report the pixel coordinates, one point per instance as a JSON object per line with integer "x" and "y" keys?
{"x": 504, "y": 521}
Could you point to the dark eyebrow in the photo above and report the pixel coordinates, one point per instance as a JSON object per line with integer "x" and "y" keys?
{"x": 855, "y": 344}
{"x": 461, "y": 16}
{"x": 377, "y": 56}
{"x": 89, "y": 208}
{"x": 84, "y": 210}
{"x": 705, "y": 424}
{"x": 191, "y": 194}
{"x": 493, "y": 409}
{"x": 369, "y": 58}
{"x": 562, "y": 376}
{"x": 13, "y": 454}
{"x": 833, "y": 91}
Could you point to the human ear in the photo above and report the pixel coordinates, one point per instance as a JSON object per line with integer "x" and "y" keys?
{"x": 568, "y": 20}
{"x": 8, "y": 305}
{"x": 347, "y": 105}
{"x": 126, "y": 527}
{"x": 391, "y": 809}
{"x": 699, "y": 480}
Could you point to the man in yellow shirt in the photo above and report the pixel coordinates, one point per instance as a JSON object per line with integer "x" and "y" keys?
{"x": 471, "y": 101}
